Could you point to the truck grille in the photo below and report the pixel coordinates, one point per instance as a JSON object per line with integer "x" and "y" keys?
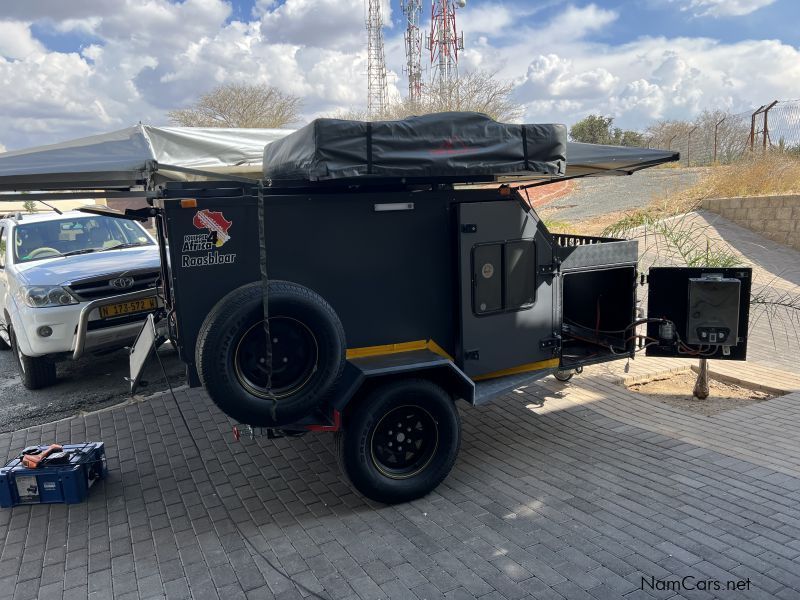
{"x": 100, "y": 287}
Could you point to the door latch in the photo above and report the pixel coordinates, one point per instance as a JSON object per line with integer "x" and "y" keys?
{"x": 551, "y": 342}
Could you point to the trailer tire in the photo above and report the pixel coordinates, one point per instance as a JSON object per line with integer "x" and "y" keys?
{"x": 564, "y": 375}
{"x": 308, "y": 347}
{"x": 429, "y": 425}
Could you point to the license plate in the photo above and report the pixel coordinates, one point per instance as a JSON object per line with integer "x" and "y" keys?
{"x": 128, "y": 308}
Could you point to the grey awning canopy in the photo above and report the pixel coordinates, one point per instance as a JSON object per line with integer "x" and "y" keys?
{"x": 597, "y": 159}
{"x": 129, "y": 157}
{"x": 454, "y": 144}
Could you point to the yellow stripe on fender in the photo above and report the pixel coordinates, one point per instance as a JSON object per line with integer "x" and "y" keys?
{"x": 535, "y": 366}
{"x": 397, "y": 348}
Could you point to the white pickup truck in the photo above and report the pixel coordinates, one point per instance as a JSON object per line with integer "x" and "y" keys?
{"x": 71, "y": 284}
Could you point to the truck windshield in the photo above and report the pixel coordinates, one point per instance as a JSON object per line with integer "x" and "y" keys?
{"x": 76, "y": 235}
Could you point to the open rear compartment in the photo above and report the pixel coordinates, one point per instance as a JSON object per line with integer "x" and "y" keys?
{"x": 598, "y": 298}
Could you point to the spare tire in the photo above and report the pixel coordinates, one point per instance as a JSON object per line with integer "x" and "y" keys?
{"x": 308, "y": 353}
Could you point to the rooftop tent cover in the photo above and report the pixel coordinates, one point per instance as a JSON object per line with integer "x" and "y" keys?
{"x": 449, "y": 145}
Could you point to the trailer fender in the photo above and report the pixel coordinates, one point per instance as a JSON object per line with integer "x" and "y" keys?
{"x": 361, "y": 374}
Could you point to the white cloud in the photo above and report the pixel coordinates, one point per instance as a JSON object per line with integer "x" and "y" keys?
{"x": 654, "y": 78}
{"x": 16, "y": 40}
{"x": 316, "y": 49}
{"x": 2, "y": 148}
{"x": 723, "y": 8}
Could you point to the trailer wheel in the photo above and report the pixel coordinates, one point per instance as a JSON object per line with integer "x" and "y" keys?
{"x": 564, "y": 375}
{"x": 401, "y": 441}
{"x": 308, "y": 353}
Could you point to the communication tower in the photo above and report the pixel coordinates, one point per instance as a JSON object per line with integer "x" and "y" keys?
{"x": 444, "y": 42}
{"x": 412, "y": 9}
{"x": 377, "y": 93}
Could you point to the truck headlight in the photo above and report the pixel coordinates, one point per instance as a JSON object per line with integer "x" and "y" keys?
{"x": 42, "y": 296}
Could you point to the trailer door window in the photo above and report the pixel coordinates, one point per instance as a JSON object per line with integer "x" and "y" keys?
{"x": 504, "y": 276}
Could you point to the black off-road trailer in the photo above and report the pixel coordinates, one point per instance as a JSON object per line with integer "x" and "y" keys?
{"x": 366, "y": 303}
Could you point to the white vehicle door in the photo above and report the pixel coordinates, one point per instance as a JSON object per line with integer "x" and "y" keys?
{"x": 3, "y": 277}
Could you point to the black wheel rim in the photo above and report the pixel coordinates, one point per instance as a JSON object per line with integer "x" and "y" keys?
{"x": 404, "y": 441}
{"x": 294, "y": 357}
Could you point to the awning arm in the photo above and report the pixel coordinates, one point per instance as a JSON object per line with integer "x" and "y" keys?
{"x": 47, "y": 197}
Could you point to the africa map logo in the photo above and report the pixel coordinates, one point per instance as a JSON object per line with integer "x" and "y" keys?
{"x": 217, "y": 227}
{"x": 216, "y": 224}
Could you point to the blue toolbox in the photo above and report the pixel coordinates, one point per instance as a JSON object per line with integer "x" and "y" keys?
{"x": 54, "y": 473}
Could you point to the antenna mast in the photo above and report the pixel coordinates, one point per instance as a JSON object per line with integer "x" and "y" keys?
{"x": 377, "y": 94}
{"x": 412, "y": 9}
{"x": 444, "y": 43}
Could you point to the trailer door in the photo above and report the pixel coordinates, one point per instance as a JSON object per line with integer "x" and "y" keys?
{"x": 507, "y": 291}
{"x": 698, "y": 312}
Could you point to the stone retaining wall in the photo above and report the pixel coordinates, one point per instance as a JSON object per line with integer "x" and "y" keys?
{"x": 775, "y": 217}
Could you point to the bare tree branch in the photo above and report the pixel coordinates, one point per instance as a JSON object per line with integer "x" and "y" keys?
{"x": 239, "y": 105}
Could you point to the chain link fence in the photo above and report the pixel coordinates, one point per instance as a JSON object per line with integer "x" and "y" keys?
{"x": 719, "y": 137}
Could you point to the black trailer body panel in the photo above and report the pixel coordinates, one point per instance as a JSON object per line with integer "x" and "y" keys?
{"x": 506, "y": 296}
{"x": 668, "y": 297}
{"x": 196, "y": 287}
{"x": 386, "y": 260}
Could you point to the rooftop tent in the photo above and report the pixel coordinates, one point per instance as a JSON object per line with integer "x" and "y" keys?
{"x": 456, "y": 146}
{"x": 129, "y": 157}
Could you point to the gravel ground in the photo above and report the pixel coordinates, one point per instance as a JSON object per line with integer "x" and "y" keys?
{"x": 677, "y": 390}
{"x": 594, "y": 197}
{"x": 86, "y": 385}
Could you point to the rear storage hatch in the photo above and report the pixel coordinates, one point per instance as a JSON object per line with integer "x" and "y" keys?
{"x": 598, "y": 298}
{"x": 698, "y": 312}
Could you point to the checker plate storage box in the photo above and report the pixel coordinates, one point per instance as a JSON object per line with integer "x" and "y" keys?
{"x": 66, "y": 483}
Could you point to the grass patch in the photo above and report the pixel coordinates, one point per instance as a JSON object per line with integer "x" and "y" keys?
{"x": 556, "y": 226}
{"x": 757, "y": 176}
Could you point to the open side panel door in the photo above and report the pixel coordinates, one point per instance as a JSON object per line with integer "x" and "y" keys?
{"x": 698, "y": 312}
{"x": 507, "y": 291}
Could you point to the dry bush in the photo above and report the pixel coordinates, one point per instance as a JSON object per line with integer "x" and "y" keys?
{"x": 240, "y": 105}
{"x": 761, "y": 175}
{"x": 774, "y": 173}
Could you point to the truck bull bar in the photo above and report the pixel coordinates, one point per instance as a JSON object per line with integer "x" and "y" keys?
{"x": 83, "y": 320}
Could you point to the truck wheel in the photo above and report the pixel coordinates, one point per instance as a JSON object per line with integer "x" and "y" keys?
{"x": 308, "y": 353}
{"x": 36, "y": 371}
{"x": 401, "y": 441}
{"x": 3, "y": 344}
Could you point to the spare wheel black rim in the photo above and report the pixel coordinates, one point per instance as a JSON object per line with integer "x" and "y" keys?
{"x": 295, "y": 353}
{"x": 404, "y": 442}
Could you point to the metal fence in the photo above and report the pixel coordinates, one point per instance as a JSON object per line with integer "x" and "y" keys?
{"x": 722, "y": 137}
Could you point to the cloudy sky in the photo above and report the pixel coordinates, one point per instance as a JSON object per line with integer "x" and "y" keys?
{"x": 77, "y": 67}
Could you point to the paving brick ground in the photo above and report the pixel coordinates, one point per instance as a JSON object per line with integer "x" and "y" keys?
{"x": 575, "y": 492}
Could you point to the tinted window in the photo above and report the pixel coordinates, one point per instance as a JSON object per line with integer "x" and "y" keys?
{"x": 47, "y": 239}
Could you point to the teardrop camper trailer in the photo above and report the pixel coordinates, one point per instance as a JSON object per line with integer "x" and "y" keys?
{"x": 379, "y": 272}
